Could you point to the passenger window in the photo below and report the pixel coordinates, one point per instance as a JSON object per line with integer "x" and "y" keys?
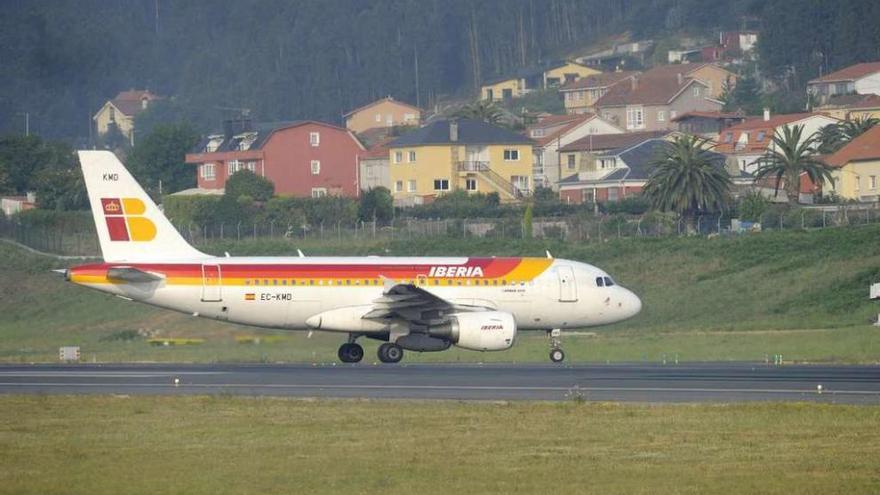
{"x": 247, "y": 282}
{"x": 608, "y": 282}
{"x": 600, "y": 282}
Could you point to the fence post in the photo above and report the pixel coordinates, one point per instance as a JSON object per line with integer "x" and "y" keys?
{"x": 699, "y": 221}
{"x": 272, "y": 229}
{"x": 781, "y": 217}
{"x": 823, "y": 219}
{"x": 720, "y": 216}
{"x": 221, "y": 231}
{"x": 803, "y": 220}
{"x": 255, "y": 230}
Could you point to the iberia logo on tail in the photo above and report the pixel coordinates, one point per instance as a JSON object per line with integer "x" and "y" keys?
{"x": 125, "y": 220}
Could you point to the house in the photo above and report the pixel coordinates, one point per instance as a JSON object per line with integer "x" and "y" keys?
{"x": 849, "y": 107}
{"x": 857, "y": 168}
{"x": 745, "y": 143}
{"x": 374, "y": 170}
{"x": 303, "y": 158}
{"x": 622, "y": 173}
{"x": 617, "y": 56}
{"x": 10, "y": 205}
{"x": 731, "y": 47}
{"x": 584, "y": 155}
{"x": 860, "y": 79}
{"x": 707, "y": 124}
{"x": 119, "y": 112}
{"x": 555, "y": 131}
{"x": 652, "y": 99}
{"x": 524, "y": 81}
{"x": 383, "y": 113}
{"x": 580, "y": 96}
{"x": 460, "y": 154}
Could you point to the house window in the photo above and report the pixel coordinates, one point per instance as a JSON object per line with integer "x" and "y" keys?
{"x": 571, "y": 162}
{"x": 873, "y": 182}
{"x": 635, "y": 117}
{"x": 398, "y": 156}
{"x": 441, "y": 184}
{"x": 411, "y": 185}
{"x": 537, "y": 133}
{"x": 209, "y": 171}
{"x": 511, "y": 155}
{"x": 608, "y": 162}
{"x": 673, "y": 114}
{"x": 398, "y": 186}
{"x": 761, "y": 135}
{"x": 696, "y": 91}
{"x": 316, "y": 167}
{"x": 378, "y": 117}
{"x": 408, "y": 117}
{"x": 252, "y": 166}
{"x": 233, "y": 166}
{"x": 612, "y": 194}
{"x": 412, "y": 156}
{"x": 661, "y": 116}
{"x": 314, "y": 138}
{"x": 319, "y": 192}
{"x": 728, "y": 137}
{"x": 112, "y": 115}
{"x": 858, "y": 183}
{"x": 470, "y": 184}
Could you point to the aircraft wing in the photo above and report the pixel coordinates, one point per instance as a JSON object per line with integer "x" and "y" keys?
{"x": 414, "y": 304}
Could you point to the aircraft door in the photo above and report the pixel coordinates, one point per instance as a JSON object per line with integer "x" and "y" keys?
{"x": 567, "y": 284}
{"x": 211, "y": 283}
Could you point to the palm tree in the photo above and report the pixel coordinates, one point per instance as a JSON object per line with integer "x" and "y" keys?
{"x": 686, "y": 178}
{"x": 789, "y": 156}
{"x": 832, "y": 137}
{"x": 484, "y": 110}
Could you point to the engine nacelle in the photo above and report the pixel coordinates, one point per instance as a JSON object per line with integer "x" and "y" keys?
{"x": 481, "y": 330}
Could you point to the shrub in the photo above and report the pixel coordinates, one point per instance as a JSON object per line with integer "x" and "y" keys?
{"x": 246, "y": 183}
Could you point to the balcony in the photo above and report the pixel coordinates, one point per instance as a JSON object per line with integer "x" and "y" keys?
{"x": 473, "y": 166}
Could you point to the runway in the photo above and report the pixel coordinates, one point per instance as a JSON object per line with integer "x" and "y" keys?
{"x": 710, "y": 382}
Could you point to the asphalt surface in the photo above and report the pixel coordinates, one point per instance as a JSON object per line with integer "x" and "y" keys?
{"x": 710, "y": 382}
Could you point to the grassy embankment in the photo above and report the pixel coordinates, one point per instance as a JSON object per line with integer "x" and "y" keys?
{"x": 801, "y": 294}
{"x": 220, "y": 444}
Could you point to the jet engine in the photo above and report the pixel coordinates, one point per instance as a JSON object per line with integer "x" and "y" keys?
{"x": 478, "y": 331}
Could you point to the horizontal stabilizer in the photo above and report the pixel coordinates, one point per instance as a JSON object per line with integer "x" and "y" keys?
{"x": 132, "y": 275}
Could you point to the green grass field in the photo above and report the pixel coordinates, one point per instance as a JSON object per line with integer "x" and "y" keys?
{"x": 222, "y": 444}
{"x": 799, "y": 294}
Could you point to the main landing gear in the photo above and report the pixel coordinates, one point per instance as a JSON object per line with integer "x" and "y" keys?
{"x": 390, "y": 353}
{"x": 556, "y": 354}
{"x": 351, "y": 351}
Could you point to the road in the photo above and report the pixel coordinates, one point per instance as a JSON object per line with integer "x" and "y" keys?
{"x": 708, "y": 382}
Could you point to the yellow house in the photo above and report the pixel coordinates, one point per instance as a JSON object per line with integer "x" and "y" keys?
{"x": 528, "y": 80}
{"x": 386, "y": 112}
{"x": 715, "y": 76}
{"x": 120, "y": 112}
{"x": 856, "y": 174}
{"x": 460, "y": 155}
{"x": 850, "y": 107}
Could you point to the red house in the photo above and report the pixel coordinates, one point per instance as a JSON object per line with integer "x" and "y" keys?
{"x": 304, "y": 158}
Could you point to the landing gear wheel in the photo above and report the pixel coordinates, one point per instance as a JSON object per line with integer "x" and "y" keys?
{"x": 350, "y": 353}
{"x": 556, "y": 355}
{"x": 390, "y": 353}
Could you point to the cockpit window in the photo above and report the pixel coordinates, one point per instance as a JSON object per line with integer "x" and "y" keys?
{"x": 600, "y": 281}
{"x": 608, "y": 282}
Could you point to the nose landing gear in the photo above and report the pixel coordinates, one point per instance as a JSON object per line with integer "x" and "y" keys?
{"x": 556, "y": 353}
{"x": 351, "y": 351}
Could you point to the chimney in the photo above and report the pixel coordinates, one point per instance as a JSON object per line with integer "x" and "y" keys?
{"x": 634, "y": 82}
{"x": 228, "y": 129}
{"x": 144, "y": 102}
{"x": 453, "y": 131}
{"x": 766, "y": 114}
{"x": 680, "y": 78}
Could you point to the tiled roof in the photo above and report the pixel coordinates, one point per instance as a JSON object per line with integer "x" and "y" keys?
{"x": 757, "y": 125}
{"x": 130, "y": 102}
{"x": 602, "y": 80}
{"x": 469, "y": 132}
{"x": 529, "y": 72}
{"x": 864, "y": 147}
{"x": 602, "y": 142}
{"x": 382, "y": 100}
{"x": 709, "y": 115}
{"x": 263, "y": 131}
{"x": 850, "y": 73}
{"x": 561, "y": 123}
{"x": 379, "y": 150}
{"x": 655, "y": 87}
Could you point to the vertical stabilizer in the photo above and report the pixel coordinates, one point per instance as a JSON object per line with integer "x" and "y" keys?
{"x": 130, "y": 226}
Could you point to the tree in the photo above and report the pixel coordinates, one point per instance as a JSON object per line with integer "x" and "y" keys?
{"x": 686, "y": 178}
{"x": 376, "y": 204}
{"x": 484, "y": 110}
{"x": 23, "y": 158}
{"x": 61, "y": 189}
{"x": 745, "y": 96}
{"x": 159, "y": 158}
{"x": 789, "y": 156}
{"x": 246, "y": 183}
{"x": 832, "y": 137}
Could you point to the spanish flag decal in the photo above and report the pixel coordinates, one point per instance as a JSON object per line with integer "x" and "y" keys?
{"x": 250, "y": 296}
{"x": 125, "y": 220}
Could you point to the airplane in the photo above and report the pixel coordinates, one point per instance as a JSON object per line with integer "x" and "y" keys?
{"x": 421, "y": 304}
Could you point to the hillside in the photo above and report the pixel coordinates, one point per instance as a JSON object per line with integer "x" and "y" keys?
{"x": 803, "y": 294}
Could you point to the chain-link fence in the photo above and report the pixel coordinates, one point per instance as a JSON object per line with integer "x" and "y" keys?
{"x": 79, "y": 238}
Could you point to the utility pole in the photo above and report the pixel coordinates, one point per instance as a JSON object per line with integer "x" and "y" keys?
{"x": 418, "y": 99}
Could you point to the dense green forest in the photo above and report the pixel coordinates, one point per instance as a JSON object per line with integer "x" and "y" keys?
{"x": 319, "y": 58}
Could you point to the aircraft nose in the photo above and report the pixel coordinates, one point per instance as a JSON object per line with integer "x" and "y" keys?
{"x": 632, "y": 305}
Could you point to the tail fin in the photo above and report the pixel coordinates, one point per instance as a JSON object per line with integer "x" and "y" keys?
{"x": 130, "y": 226}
